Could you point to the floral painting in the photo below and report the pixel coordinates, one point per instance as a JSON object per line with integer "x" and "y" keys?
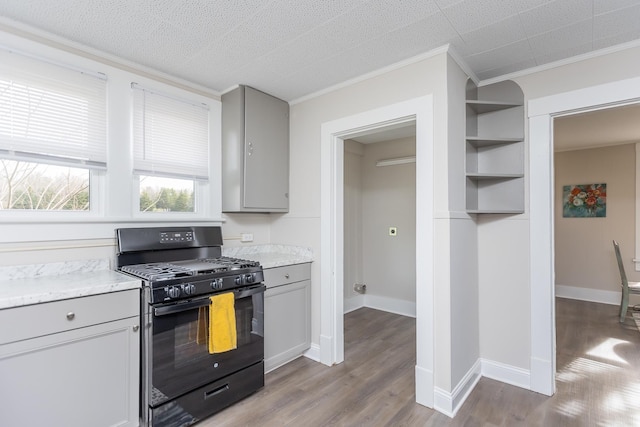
{"x": 584, "y": 201}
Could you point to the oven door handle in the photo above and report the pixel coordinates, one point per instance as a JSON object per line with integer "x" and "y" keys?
{"x": 180, "y": 307}
{"x": 247, "y": 292}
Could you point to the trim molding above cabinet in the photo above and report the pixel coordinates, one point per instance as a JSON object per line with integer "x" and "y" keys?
{"x": 255, "y": 152}
{"x": 495, "y": 148}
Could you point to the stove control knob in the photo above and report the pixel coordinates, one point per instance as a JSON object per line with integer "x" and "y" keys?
{"x": 248, "y": 278}
{"x": 216, "y": 283}
{"x": 172, "y": 292}
{"x": 189, "y": 288}
{"x": 238, "y": 280}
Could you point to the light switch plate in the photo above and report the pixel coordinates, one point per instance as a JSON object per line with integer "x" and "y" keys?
{"x": 246, "y": 237}
{"x": 393, "y": 231}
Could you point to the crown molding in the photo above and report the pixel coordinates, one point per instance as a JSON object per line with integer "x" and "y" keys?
{"x": 47, "y": 39}
{"x": 372, "y": 74}
{"x": 562, "y": 62}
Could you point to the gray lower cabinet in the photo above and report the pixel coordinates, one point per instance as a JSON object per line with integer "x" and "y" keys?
{"x": 71, "y": 363}
{"x": 287, "y": 314}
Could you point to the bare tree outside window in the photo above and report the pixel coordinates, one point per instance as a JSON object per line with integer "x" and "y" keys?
{"x": 166, "y": 194}
{"x": 37, "y": 186}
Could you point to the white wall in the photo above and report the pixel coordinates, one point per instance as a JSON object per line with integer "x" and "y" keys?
{"x": 463, "y": 245}
{"x": 376, "y": 198}
{"x": 505, "y": 288}
{"x": 353, "y": 153}
{"x": 585, "y": 259}
{"x": 389, "y": 199}
{"x": 302, "y": 225}
{"x": 254, "y": 223}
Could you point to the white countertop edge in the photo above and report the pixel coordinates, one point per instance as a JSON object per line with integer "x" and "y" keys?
{"x": 21, "y": 292}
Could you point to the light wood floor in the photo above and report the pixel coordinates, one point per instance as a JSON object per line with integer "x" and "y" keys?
{"x": 598, "y": 380}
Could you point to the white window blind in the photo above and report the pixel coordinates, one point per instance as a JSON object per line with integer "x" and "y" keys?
{"x": 51, "y": 114}
{"x": 170, "y": 136}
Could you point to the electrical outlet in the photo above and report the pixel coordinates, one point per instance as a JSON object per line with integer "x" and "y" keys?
{"x": 393, "y": 231}
{"x": 246, "y": 237}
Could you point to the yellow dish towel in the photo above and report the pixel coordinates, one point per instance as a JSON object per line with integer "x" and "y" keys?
{"x": 202, "y": 330}
{"x": 222, "y": 323}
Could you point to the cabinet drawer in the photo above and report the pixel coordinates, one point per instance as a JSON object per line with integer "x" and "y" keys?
{"x": 43, "y": 319}
{"x": 278, "y": 276}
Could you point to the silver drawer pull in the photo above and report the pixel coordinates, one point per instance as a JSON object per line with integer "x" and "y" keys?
{"x": 286, "y": 276}
{"x": 71, "y": 315}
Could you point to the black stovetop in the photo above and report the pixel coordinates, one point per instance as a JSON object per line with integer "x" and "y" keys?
{"x": 159, "y": 271}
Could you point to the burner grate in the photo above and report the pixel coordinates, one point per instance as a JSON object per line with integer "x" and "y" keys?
{"x": 171, "y": 270}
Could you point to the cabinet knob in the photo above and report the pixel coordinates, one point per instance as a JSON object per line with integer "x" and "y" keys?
{"x": 135, "y": 328}
{"x": 71, "y": 315}
{"x": 286, "y": 276}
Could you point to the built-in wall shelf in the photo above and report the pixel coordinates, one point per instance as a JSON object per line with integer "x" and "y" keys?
{"x": 478, "y": 141}
{"x": 495, "y": 148}
{"x": 495, "y": 211}
{"x": 494, "y": 176}
{"x": 481, "y": 107}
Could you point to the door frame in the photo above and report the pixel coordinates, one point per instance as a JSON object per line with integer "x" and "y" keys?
{"x": 541, "y": 112}
{"x": 333, "y": 134}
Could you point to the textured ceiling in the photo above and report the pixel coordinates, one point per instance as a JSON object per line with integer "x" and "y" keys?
{"x": 292, "y": 48}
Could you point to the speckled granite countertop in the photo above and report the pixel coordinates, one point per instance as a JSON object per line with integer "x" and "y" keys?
{"x": 38, "y": 283}
{"x": 270, "y": 256}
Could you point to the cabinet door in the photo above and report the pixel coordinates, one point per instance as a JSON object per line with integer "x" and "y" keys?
{"x": 82, "y": 377}
{"x": 287, "y": 323}
{"x": 266, "y": 171}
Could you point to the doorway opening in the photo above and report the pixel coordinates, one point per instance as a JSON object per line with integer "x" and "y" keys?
{"x": 541, "y": 112}
{"x": 418, "y": 111}
{"x": 380, "y": 221}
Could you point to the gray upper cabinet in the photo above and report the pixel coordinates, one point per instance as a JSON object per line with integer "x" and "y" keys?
{"x": 255, "y": 152}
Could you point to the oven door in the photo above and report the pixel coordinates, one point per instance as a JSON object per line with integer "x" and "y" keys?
{"x": 178, "y": 349}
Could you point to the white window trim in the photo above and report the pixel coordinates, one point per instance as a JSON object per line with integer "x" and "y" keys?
{"x": 201, "y": 208}
{"x": 636, "y": 260}
{"x": 113, "y": 206}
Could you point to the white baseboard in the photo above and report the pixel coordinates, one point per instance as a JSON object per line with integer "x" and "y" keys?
{"x": 353, "y": 303}
{"x": 424, "y": 387}
{"x": 505, "y": 373}
{"x": 391, "y": 305}
{"x": 450, "y": 403}
{"x": 542, "y": 381}
{"x": 324, "y": 350}
{"x": 586, "y": 294}
{"x": 313, "y": 352}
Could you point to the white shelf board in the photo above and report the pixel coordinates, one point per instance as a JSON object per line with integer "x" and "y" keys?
{"x": 484, "y": 141}
{"x": 496, "y": 176}
{"x": 481, "y": 107}
{"x": 495, "y": 211}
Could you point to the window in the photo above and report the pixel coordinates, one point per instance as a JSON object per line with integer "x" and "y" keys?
{"x": 52, "y": 134}
{"x": 38, "y": 186}
{"x": 170, "y": 150}
{"x": 159, "y": 194}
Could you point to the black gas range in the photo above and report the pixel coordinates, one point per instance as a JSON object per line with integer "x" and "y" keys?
{"x": 184, "y": 377}
{"x": 182, "y": 262}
